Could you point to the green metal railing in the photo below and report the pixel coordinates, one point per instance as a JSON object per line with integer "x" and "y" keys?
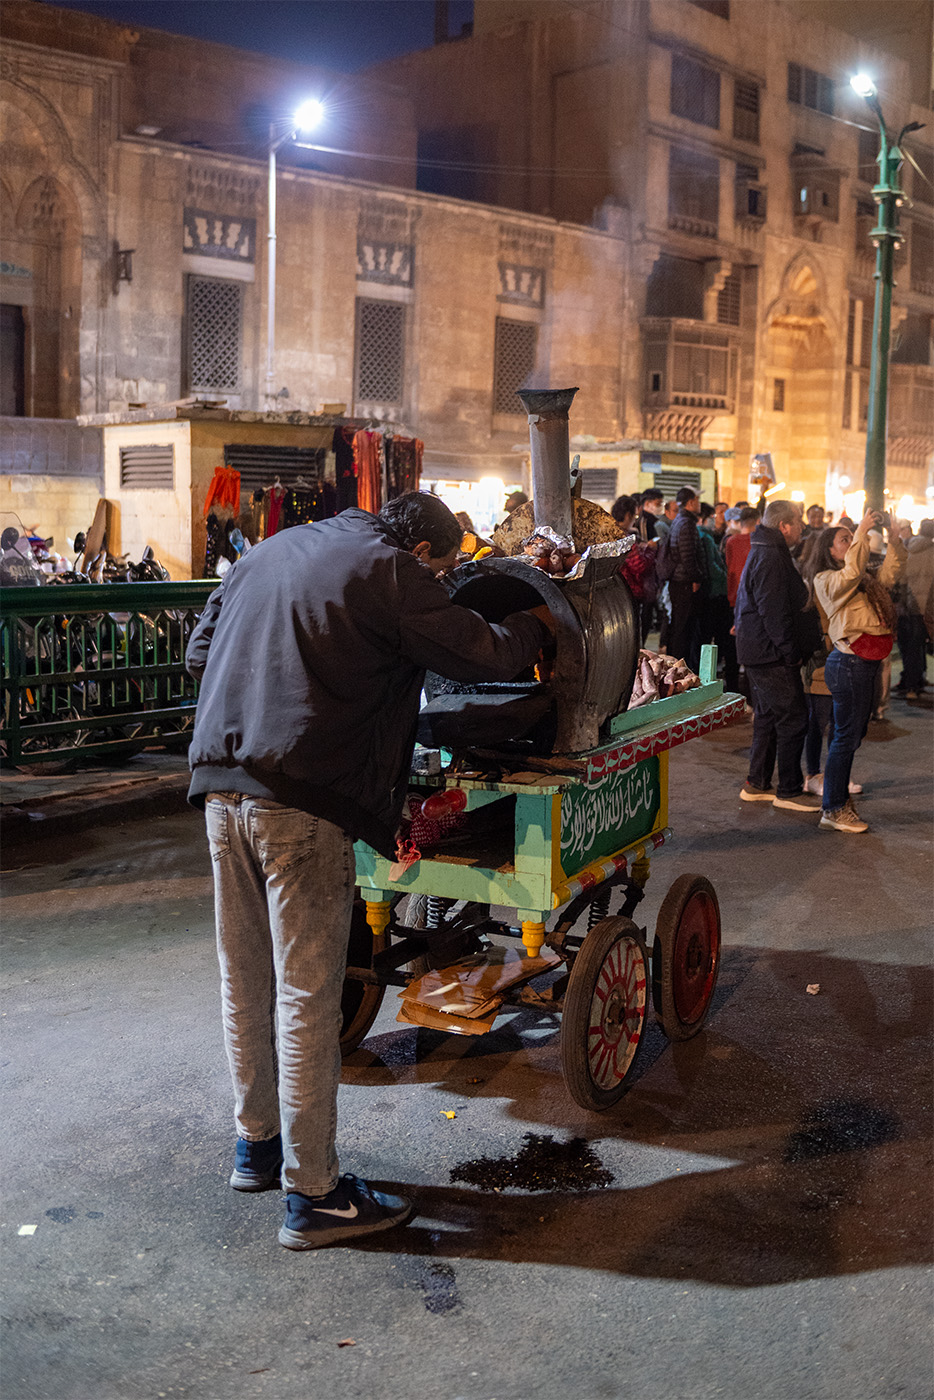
{"x": 98, "y": 668}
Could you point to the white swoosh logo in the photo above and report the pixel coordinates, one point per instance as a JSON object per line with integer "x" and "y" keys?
{"x": 347, "y": 1214}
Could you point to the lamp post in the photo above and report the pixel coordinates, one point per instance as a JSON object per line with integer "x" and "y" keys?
{"x": 306, "y": 119}
{"x": 888, "y": 195}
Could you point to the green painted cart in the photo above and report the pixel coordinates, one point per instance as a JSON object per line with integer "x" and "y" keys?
{"x": 562, "y": 845}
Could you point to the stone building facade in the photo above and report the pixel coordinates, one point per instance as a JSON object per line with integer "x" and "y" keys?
{"x": 726, "y": 134}
{"x": 135, "y": 266}
{"x": 662, "y": 201}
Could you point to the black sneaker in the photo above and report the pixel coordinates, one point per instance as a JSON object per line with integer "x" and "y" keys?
{"x": 258, "y": 1165}
{"x": 352, "y": 1208}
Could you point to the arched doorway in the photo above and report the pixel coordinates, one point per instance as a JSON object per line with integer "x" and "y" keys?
{"x": 797, "y": 394}
{"x": 42, "y": 228}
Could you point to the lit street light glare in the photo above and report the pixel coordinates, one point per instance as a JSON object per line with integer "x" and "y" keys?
{"x": 309, "y": 115}
{"x": 862, "y": 85}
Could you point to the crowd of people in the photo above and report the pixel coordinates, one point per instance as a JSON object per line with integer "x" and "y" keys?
{"x": 804, "y": 613}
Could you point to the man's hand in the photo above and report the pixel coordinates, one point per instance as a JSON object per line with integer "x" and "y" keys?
{"x": 695, "y": 587}
{"x": 544, "y": 615}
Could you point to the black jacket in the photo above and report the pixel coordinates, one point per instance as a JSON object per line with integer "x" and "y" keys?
{"x": 685, "y": 548}
{"x": 770, "y": 625}
{"x": 311, "y": 657}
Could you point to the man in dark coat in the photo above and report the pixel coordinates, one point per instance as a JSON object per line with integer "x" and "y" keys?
{"x": 311, "y": 657}
{"x": 771, "y": 644}
{"x": 686, "y": 580}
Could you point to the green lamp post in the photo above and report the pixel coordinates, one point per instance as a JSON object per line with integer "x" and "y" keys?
{"x": 888, "y": 195}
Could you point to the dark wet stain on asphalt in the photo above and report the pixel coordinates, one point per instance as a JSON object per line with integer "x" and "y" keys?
{"x": 842, "y": 1125}
{"x": 436, "y": 1279}
{"x": 540, "y": 1165}
{"x": 62, "y": 1215}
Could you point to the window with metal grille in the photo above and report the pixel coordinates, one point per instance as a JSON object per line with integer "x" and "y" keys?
{"x": 599, "y": 484}
{"x": 809, "y": 89}
{"x": 695, "y": 91}
{"x": 379, "y": 360}
{"x": 730, "y": 301}
{"x": 516, "y": 346}
{"x": 261, "y": 465}
{"x": 851, "y": 332}
{"x": 865, "y": 223}
{"x": 671, "y": 480}
{"x": 745, "y": 111}
{"x": 215, "y": 335}
{"x": 150, "y": 466}
{"x": 778, "y": 396}
{"x": 751, "y": 197}
{"x": 693, "y": 192}
{"x": 865, "y": 352}
{"x": 867, "y": 168}
{"x": 922, "y": 258}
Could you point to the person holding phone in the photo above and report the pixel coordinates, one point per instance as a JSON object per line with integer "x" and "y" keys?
{"x": 859, "y": 616}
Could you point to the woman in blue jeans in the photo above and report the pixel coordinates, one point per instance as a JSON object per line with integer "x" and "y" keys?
{"x": 859, "y": 618}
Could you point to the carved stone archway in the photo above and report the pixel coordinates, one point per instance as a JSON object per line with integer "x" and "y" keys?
{"x": 796, "y": 396}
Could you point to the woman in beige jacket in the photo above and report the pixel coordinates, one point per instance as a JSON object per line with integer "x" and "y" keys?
{"x": 860, "y": 620}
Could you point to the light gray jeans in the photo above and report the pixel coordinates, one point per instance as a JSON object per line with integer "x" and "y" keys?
{"x": 283, "y": 892}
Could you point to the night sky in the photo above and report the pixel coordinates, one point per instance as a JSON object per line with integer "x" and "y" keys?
{"x": 341, "y": 34}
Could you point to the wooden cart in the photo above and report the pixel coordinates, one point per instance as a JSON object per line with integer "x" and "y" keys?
{"x": 565, "y": 842}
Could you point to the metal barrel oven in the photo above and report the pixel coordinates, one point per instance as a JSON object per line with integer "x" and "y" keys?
{"x": 597, "y": 639}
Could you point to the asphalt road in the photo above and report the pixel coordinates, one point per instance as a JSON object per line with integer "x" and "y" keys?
{"x": 766, "y": 1233}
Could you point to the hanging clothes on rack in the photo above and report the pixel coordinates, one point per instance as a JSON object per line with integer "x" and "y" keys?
{"x": 367, "y": 452}
{"x": 276, "y": 497}
{"x": 345, "y": 469}
{"x": 303, "y": 503}
{"x": 224, "y": 491}
{"x": 404, "y": 463}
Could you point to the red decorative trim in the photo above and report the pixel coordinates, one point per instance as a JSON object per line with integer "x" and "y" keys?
{"x": 601, "y": 765}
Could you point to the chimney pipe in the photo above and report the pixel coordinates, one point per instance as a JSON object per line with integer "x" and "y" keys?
{"x": 551, "y": 456}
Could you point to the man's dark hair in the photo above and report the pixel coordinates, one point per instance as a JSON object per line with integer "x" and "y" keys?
{"x": 418, "y": 516}
{"x": 926, "y": 528}
{"x": 518, "y": 498}
{"x": 748, "y": 513}
{"x": 706, "y": 511}
{"x": 815, "y": 506}
{"x": 623, "y": 506}
{"x": 653, "y": 494}
{"x": 687, "y": 493}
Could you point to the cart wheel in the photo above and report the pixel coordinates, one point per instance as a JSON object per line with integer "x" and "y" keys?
{"x": 686, "y": 956}
{"x": 360, "y": 1002}
{"x": 604, "y": 1013}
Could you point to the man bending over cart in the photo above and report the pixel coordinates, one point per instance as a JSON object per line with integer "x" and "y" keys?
{"x": 311, "y": 656}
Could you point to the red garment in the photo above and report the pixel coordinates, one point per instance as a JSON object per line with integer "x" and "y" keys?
{"x": 736, "y": 552}
{"x": 367, "y": 460}
{"x": 276, "y": 497}
{"x": 224, "y": 490}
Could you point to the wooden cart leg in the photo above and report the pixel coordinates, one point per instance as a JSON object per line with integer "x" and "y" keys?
{"x": 377, "y": 915}
{"x": 533, "y": 930}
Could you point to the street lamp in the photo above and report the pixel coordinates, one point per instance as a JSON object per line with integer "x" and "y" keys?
{"x": 888, "y": 195}
{"x": 306, "y": 118}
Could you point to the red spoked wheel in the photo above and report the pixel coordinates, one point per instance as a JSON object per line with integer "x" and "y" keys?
{"x": 604, "y": 1013}
{"x": 686, "y": 956}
